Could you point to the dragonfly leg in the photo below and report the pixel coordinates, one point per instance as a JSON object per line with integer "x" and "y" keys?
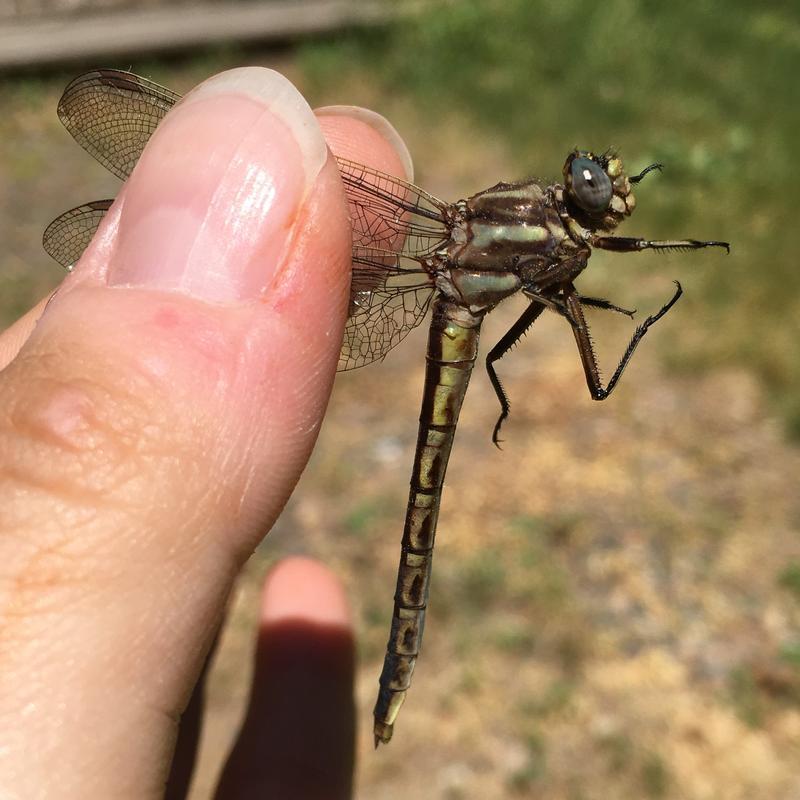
{"x": 628, "y": 244}
{"x": 511, "y": 337}
{"x": 584, "y": 341}
{"x": 597, "y": 302}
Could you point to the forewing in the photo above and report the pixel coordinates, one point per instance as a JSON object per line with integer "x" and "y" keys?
{"x": 68, "y": 235}
{"x": 112, "y": 114}
{"x": 389, "y": 296}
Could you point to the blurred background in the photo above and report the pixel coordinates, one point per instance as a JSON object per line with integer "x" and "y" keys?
{"x": 616, "y": 595}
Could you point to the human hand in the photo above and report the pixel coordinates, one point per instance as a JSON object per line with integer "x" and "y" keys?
{"x": 153, "y": 424}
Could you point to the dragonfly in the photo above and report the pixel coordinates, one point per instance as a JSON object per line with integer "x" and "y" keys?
{"x": 413, "y": 252}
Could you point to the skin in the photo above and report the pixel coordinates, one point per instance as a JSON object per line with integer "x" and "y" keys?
{"x": 149, "y": 437}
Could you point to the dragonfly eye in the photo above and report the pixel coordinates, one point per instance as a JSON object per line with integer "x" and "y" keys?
{"x": 590, "y": 186}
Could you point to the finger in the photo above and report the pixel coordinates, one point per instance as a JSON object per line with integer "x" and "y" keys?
{"x": 13, "y": 337}
{"x": 188, "y": 739}
{"x": 362, "y": 135}
{"x": 298, "y": 737}
{"x": 153, "y": 426}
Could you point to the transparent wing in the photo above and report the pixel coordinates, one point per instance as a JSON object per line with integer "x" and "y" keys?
{"x": 389, "y": 296}
{"x": 112, "y": 114}
{"x": 391, "y": 214}
{"x": 395, "y": 226}
{"x": 68, "y": 235}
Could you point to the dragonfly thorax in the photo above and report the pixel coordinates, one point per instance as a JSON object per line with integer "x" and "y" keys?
{"x": 478, "y": 290}
{"x": 506, "y": 227}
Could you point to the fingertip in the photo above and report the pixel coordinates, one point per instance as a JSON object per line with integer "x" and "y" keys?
{"x": 364, "y": 135}
{"x": 300, "y": 588}
{"x": 298, "y": 736}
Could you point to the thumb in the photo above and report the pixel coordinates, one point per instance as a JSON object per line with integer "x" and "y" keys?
{"x": 153, "y": 426}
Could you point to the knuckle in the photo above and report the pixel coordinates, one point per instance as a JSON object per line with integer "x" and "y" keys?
{"x": 81, "y": 433}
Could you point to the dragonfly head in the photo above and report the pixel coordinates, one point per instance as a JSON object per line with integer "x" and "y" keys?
{"x": 597, "y": 190}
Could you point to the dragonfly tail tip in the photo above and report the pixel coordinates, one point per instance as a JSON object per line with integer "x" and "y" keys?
{"x": 383, "y": 733}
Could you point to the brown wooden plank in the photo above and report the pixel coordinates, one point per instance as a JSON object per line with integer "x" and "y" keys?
{"x": 27, "y": 42}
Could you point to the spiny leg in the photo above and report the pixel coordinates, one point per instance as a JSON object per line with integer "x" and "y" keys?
{"x": 581, "y": 331}
{"x": 628, "y": 244}
{"x": 510, "y": 338}
{"x": 607, "y": 305}
{"x": 519, "y": 328}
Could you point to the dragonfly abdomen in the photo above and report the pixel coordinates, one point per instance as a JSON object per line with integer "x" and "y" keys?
{"x": 452, "y": 348}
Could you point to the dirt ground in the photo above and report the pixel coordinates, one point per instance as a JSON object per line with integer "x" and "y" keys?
{"x": 611, "y": 615}
{"x": 616, "y": 595}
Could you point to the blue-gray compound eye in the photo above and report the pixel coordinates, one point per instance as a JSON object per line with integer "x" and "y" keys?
{"x": 591, "y": 187}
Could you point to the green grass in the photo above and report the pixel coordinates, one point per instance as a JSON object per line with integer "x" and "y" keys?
{"x": 744, "y": 694}
{"x": 361, "y": 521}
{"x": 617, "y": 750}
{"x": 553, "y": 699}
{"x": 708, "y": 88}
{"x": 514, "y": 638}
{"x": 655, "y": 776}
{"x": 790, "y": 654}
{"x": 789, "y": 579}
{"x": 481, "y": 581}
{"x": 533, "y": 770}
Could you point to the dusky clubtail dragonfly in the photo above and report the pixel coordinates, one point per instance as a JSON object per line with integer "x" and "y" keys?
{"x": 412, "y": 251}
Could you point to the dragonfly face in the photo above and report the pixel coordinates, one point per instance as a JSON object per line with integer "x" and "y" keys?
{"x": 410, "y": 249}
{"x": 597, "y": 192}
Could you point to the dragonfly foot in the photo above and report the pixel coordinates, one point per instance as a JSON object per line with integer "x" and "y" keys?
{"x": 496, "y": 440}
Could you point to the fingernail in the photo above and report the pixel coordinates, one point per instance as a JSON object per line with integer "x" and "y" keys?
{"x": 380, "y": 125}
{"x": 210, "y": 206}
